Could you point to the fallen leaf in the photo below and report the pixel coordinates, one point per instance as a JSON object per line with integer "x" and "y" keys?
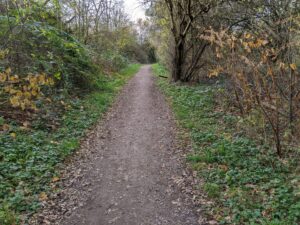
{"x": 248, "y": 36}
{"x": 26, "y": 124}
{"x": 55, "y": 179}
{"x": 43, "y": 196}
{"x": 5, "y": 127}
{"x": 13, "y": 135}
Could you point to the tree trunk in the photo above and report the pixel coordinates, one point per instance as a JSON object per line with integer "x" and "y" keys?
{"x": 178, "y": 61}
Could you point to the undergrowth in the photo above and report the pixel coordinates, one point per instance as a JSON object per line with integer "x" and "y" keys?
{"x": 247, "y": 182}
{"x": 29, "y": 157}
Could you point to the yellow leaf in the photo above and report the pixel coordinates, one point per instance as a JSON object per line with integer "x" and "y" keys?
{"x": 251, "y": 44}
{"x": 3, "y": 53}
{"x": 14, "y": 101}
{"x": 13, "y": 135}
{"x": 12, "y": 91}
{"x": 215, "y": 72}
{"x": 270, "y": 71}
{"x": 264, "y": 58}
{"x": 41, "y": 79}
{"x": 8, "y": 70}
{"x": 34, "y": 92}
{"x": 293, "y": 66}
{"x": 50, "y": 81}
{"x": 33, "y": 106}
{"x": 55, "y": 179}
{"x": 7, "y": 88}
{"x": 23, "y": 105}
{"x": 248, "y": 36}
{"x": 32, "y": 81}
{"x": 260, "y": 42}
{"x": 26, "y": 124}
{"x": 19, "y": 93}
{"x": 27, "y": 95}
{"x": 27, "y": 102}
{"x": 14, "y": 78}
{"x": 2, "y": 77}
{"x": 43, "y": 196}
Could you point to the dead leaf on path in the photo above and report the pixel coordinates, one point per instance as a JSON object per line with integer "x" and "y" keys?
{"x": 55, "y": 179}
{"x": 25, "y": 125}
{"x": 46, "y": 222}
{"x": 114, "y": 220}
{"x": 201, "y": 220}
{"x": 43, "y": 196}
{"x": 178, "y": 203}
{"x": 223, "y": 167}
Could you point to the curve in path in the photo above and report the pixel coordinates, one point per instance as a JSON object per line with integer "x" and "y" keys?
{"x": 133, "y": 164}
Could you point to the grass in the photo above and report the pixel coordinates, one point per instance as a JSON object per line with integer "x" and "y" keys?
{"x": 247, "y": 182}
{"x": 28, "y": 161}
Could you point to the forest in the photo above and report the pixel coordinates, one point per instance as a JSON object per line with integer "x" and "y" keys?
{"x": 228, "y": 69}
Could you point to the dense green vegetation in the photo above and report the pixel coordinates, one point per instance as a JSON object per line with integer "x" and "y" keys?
{"x": 28, "y": 160}
{"x": 48, "y": 50}
{"x": 247, "y": 182}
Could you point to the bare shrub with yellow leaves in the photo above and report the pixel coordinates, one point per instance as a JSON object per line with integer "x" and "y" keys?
{"x": 264, "y": 73}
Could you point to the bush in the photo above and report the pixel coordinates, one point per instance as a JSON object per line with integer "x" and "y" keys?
{"x": 35, "y": 47}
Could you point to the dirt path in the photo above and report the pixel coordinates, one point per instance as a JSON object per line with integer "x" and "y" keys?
{"x": 127, "y": 179}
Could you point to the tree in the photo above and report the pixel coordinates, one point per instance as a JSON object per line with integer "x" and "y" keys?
{"x": 259, "y": 54}
{"x": 186, "y": 21}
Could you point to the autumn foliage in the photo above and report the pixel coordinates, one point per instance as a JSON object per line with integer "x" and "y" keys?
{"x": 22, "y": 92}
{"x": 263, "y": 73}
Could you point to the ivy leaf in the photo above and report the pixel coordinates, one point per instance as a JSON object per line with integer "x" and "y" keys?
{"x": 57, "y": 75}
{"x": 1, "y": 121}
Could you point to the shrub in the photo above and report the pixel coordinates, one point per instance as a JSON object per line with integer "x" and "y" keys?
{"x": 35, "y": 47}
